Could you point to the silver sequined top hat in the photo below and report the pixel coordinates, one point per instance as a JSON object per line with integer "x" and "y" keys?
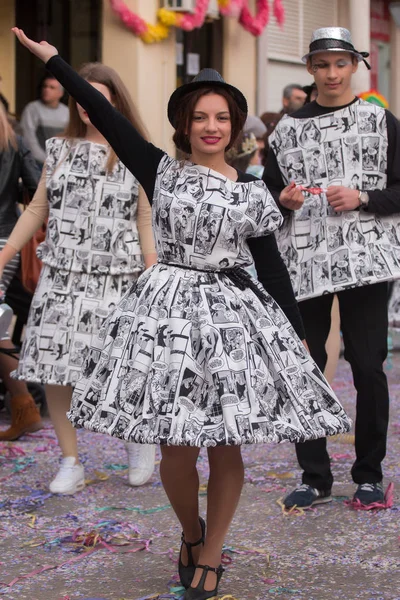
{"x": 334, "y": 39}
{"x": 208, "y": 78}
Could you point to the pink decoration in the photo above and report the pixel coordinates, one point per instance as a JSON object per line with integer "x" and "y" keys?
{"x": 195, "y": 21}
{"x": 187, "y": 21}
{"x": 279, "y": 12}
{"x": 255, "y": 25}
{"x": 130, "y": 19}
{"x": 233, "y": 8}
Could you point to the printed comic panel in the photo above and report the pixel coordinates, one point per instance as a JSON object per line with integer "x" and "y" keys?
{"x": 366, "y": 120}
{"x": 80, "y": 161}
{"x": 390, "y": 258}
{"x": 184, "y": 222}
{"x": 101, "y": 238}
{"x": 372, "y": 181}
{"x": 383, "y": 158}
{"x": 185, "y": 300}
{"x": 96, "y": 284}
{"x": 295, "y": 166}
{"x": 370, "y": 153}
{"x": 315, "y": 164}
{"x": 372, "y": 228}
{"x": 170, "y": 177}
{"x": 309, "y": 134}
{"x": 352, "y": 155}
{"x": 334, "y": 160}
{"x": 98, "y": 159}
{"x": 56, "y": 188}
{"x": 193, "y": 186}
{"x": 379, "y": 264}
{"x": 340, "y": 267}
{"x": 79, "y": 350}
{"x": 219, "y": 310}
{"x": 81, "y": 261}
{"x": 209, "y": 227}
{"x": 286, "y": 136}
{"x": 117, "y": 175}
{"x": 233, "y": 341}
{"x": 321, "y": 272}
{"x": 53, "y": 148}
{"x": 91, "y": 317}
{"x": 80, "y": 194}
{"x": 353, "y": 232}
{"x": 306, "y": 281}
{"x": 334, "y": 234}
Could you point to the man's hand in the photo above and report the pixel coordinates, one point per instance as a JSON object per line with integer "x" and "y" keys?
{"x": 291, "y": 197}
{"x": 43, "y": 50}
{"x": 342, "y": 198}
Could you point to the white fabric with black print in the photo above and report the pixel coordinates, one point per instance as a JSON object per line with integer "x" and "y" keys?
{"x": 91, "y": 256}
{"x": 325, "y": 251}
{"x": 189, "y": 359}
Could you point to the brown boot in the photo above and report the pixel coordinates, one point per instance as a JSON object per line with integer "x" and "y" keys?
{"x": 25, "y": 418}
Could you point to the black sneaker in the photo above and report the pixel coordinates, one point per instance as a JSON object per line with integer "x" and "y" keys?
{"x": 306, "y": 496}
{"x": 368, "y": 493}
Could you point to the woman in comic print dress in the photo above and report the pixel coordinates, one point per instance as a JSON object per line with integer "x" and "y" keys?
{"x": 91, "y": 255}
{"x": 198, "y": 353}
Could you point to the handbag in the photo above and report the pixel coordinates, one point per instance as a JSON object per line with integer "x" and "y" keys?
{"x": 31, "y": 265}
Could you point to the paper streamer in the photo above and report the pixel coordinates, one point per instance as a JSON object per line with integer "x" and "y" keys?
{"x": 387, "y": 503}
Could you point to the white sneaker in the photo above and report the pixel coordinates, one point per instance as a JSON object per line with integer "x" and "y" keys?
{"x": 141, "y": 458}
{"x": 69, "y": 479}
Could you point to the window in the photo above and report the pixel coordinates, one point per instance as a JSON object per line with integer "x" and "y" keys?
{"x": 190, "y": 5}
{"x": 302, "y": 17}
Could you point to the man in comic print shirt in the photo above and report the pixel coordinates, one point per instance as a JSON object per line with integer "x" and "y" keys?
{"x": 346, "y": 243}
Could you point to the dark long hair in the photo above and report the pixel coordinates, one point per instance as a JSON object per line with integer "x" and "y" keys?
{"x": 186, "y": 109}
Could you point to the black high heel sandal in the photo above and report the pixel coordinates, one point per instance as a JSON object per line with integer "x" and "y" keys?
{"x": 186, "y": 572}
{"x": 199, "y": 593}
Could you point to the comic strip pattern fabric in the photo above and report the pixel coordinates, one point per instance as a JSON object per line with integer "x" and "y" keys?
{"x": 189, "y": 359}
{"x": 92, "y": 220}
{"x": 88, "y": 263}
{"x": 327, "y": 251}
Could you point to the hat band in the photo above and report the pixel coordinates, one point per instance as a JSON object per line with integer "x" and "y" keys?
{"x": 332, "y": 44}
{"x": 329, "y": 44}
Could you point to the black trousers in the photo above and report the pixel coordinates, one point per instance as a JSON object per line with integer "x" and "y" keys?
{"x": 364, "y": 325}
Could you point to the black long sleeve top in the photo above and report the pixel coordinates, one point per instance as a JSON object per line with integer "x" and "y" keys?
{"x": 381, "y": 202}
{"x": 142, "y": 159}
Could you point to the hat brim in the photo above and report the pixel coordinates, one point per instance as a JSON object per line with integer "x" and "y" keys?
{"x": 356, "y": 54}
{"x": 182, "y": 91}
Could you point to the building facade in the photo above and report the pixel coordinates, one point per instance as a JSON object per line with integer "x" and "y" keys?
{"x": 86, "y": 30}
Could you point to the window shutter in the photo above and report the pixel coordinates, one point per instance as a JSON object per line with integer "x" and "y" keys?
{"x": 285, "y": 42}
{"x": 324, "y": 14}
{"x": 290, "y": 42}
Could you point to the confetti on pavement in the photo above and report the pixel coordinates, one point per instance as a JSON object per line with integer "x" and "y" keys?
{"x": 114, "y": 542}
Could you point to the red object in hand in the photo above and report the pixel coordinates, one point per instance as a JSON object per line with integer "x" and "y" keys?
{"x": 311, "y": 190}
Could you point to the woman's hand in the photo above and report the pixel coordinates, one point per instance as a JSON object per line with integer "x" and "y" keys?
{"x": 43, "y": 50}
{"x": 291, "y": 197}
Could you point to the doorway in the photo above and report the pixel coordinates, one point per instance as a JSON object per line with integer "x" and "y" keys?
{"x": 74, "y": 27}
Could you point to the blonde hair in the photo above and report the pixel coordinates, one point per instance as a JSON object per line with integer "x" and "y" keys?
{"x": 7, "y": 135}
{"x": 98, "y": 73}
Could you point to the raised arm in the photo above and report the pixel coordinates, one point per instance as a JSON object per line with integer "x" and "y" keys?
{"x": 138, "y": 155}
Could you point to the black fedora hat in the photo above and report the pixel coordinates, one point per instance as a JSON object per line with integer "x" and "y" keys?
{"x": 206, "y": 78}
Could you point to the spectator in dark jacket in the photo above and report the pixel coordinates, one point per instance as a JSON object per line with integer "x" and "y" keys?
{"x": 16, "y": 162}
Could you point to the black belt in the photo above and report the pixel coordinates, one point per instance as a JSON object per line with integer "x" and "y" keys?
{"x": 239, "y": 277}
